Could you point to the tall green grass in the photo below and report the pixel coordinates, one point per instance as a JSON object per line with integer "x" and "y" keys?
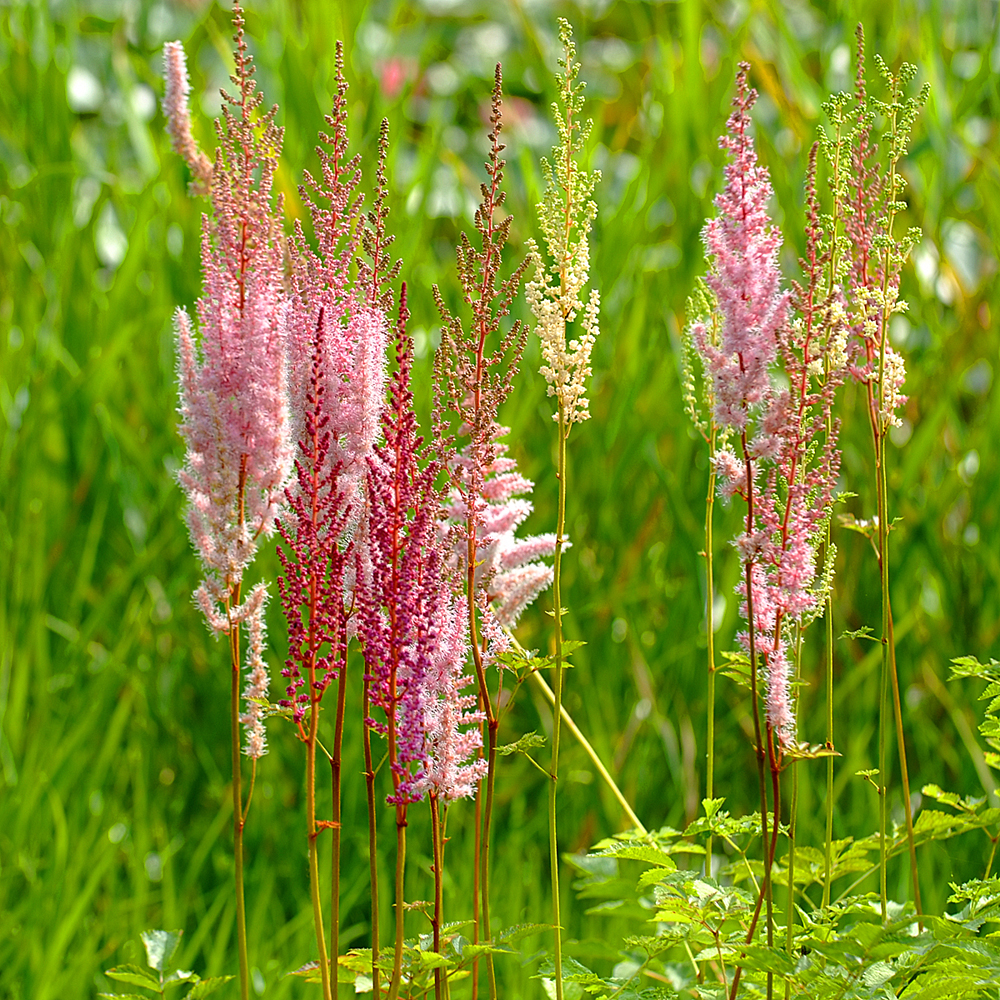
{"x": 113, "y": 726}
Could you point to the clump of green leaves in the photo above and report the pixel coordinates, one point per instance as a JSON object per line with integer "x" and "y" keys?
{"x": 161, "y": 976}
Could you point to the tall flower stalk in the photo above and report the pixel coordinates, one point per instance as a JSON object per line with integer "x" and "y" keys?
{"x": 234, "y": 414}
{"x": 788, "y": 465}
{"x": 473, "y": 372}
{"x": 565, "y": 214}
{"x": 338, "y": 376}
{"x": 877, "y": 259}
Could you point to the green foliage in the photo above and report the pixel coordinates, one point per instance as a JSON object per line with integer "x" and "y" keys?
{"x": 160, "y": 948}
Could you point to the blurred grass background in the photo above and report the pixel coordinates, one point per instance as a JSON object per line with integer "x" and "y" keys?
{"x": 114, "y": 814}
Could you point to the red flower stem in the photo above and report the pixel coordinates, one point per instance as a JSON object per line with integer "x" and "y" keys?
{"x": 372, "y": 834}
{"x": 437, "y": 841}
{"x": 238, "y": 817}
{"x": 765, "y": 885}
{"x": 336, "y": 763}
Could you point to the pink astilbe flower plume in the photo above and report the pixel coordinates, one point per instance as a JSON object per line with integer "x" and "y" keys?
{"x": 743, "y": 247}
{"x": 406, "y": 605}
{"x": 788, "y": 470}
{"x": 232, "y": 374}
{"x": 175, "y": 108}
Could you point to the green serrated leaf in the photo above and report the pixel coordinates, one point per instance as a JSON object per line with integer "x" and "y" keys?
{"x": 518, "y": 932}
{"x": 206, "y": 987}
{"x": 433, "y": 960}
{"x": 134, "y": 975}
{"x": 639, "y": 852}
{"x": 711, "y": 806}
{"x": 160, "y": 947}
{"x": 877, "y": 974}
{"x": 125, "y": 996}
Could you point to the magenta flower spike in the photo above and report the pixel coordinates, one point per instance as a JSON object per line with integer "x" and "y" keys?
{"x": 405, "y": 640}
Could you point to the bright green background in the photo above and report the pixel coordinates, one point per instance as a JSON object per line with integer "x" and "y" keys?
{"x": 114, "y": 814}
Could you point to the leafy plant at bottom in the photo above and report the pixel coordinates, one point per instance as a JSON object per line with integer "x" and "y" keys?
{"x": 160, "y": 949}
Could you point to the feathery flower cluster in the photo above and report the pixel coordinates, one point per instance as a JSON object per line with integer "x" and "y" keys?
{"x": 790, "y": 460}
{"x": 178, "y": 115}
{"x": 233, "y": 401}
{"x": 411, "y": 639}
{"x": 451, "y": 723}
{"x": 325, "y": 504}
{"x": 565, "y": 215}
{"x": 745, "y": 277}
{"x": 258, "y": 679}
{"x": 877, "y": 256}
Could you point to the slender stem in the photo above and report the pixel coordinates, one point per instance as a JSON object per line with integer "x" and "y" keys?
{"x": 477, "y": 850}
{"x": 557, "y": 704}
{"x": 336, "y": 766}
{"x": 710, "y": 630}
{"x": 890, "y": 676}
{"x": 775, "y": 829}
{"x": 765, "y": 886}
{"x": 238, "y": 817}
{"x": 904, "y": 771}
{"x": 438, "y": 850}
{"x": 484, "y": 858}
{"x": 993, "y": 851}
{"x": 372, "y": 839}
{"x": 884, "y": 676}
{"x": 792, "y": 823}
{"x": 397, "y": 962}
{"x": 313, "y": 833}
{"x": 828, "y": 851}
{"x": 589, "y": 750}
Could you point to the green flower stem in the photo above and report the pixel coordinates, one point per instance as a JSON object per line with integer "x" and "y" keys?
{"x": 557, "y": 703}
{"x": 492, "y": 725}
{"x": 890, "y": 675}
{"x": 238, "y": 817}
{"x": 589, "y": 751}
{"x": 710, "y": 634}
{"x": 437, "y": 844}
{"x": 397, "y": 961}
{"x": 313, "y": 834}
{"x": 372, "y": 836}
{"x": 759, "y": 752}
